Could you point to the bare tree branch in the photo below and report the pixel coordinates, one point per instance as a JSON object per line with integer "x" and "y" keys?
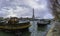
{"x": 55, "y": 4}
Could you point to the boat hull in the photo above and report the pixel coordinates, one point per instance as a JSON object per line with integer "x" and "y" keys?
{"x": 42, "y": 24}
{"x": 21, "y": 26}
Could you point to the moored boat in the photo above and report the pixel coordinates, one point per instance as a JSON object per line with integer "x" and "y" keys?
{"x": 43, "y": 22}
{"x": 14, "y": 24}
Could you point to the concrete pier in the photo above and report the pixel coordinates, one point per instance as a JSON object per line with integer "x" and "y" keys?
{"x": 54, "y": 30}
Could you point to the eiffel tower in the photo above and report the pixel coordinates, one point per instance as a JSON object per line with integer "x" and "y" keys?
{"x": 33, "y": 16}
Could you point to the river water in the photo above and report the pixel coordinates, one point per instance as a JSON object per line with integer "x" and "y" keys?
{"x": 34, "y": 30}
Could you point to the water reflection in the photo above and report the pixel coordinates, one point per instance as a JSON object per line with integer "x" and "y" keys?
{"x": 38, "y": 31}
{"x": 42, "y": 28}
{"x": 34, "y": 30}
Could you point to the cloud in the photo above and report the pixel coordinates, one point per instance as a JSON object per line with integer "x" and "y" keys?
{"x": 23, "y": 8}
{"x": 48, "y": 16}
{"x": 35, "y": 4}
{"x": 18, "y": 11}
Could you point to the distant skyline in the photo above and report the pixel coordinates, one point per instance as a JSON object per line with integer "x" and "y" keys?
{"x": 23, "y": 8}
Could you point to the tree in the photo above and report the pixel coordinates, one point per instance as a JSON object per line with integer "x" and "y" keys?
{"x": 56, "y": 8}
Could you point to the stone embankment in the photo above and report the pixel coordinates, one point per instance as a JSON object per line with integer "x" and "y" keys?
{"x": 54, "y": 30}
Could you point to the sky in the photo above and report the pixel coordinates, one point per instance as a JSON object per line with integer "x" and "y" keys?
{"x": 23, "y": 8}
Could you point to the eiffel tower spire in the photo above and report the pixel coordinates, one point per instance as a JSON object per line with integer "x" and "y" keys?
{"x": 33, "y": 17}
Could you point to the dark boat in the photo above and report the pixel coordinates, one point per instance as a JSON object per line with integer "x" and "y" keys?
{"x": 43, "y": 22}
{"x": 13, "y": 24}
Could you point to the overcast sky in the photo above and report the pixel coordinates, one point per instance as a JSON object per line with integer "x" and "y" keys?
{"x": 23, "y": 8}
